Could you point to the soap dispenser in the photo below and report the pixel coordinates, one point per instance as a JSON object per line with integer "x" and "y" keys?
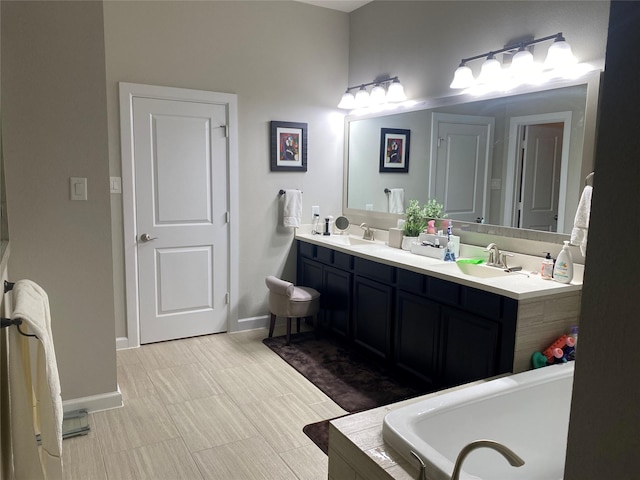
{"x": 563, "y": 269}
{"x": 546, "y": 269}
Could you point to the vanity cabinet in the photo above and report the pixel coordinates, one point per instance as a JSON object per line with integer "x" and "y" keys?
{"x": 329, "y": 272}
{"x": 438, "y": 331}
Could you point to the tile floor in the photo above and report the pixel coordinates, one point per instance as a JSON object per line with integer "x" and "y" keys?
{"x": 215, "y": 407}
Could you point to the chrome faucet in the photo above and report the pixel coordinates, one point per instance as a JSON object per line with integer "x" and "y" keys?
{"x": 494, "y": 255}
{"x": 511, "y": 457}
{"x": 368, "y": 233}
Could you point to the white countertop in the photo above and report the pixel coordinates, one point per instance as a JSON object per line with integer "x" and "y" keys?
{"x": 517, "y": 285}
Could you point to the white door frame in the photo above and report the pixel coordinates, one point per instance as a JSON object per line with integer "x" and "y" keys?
{"x": 128, "y": 91}
{"x": 515, "y": 123}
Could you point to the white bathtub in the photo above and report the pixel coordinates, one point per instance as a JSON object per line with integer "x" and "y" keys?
{"x": 527, "y": 412}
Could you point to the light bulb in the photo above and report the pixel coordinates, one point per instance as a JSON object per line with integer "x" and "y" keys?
{"x": 396, "y": 92}
{"x": 348, "y": 101}
{"x": 462, "y": 77}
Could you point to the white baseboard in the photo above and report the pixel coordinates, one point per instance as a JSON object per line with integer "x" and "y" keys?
{"x": 94, "y": 403}
{"x": 122, "y": 343}
{"x": 252, "y": 323}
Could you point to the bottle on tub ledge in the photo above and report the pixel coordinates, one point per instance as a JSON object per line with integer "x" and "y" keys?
{"x": 563, "y": 269}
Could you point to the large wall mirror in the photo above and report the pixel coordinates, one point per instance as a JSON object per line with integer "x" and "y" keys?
{"x": 515, "y": 160}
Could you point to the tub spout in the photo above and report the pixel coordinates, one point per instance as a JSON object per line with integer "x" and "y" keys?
{"x": 423, "y": 467}
{"x": 511, "y": 457}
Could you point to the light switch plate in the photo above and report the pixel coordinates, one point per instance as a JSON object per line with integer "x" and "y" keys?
{"x": 78, "y": 188}
{"x": 116, "y": 184}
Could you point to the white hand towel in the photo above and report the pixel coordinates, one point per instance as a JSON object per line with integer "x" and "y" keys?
{"x": 581, "y": 221}
{"x": 31, "y": 304}
{"x": 292, "y": 211}
{"x": 396, "y": 200}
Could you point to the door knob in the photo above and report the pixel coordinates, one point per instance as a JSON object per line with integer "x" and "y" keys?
{"x": 145, "y": 237}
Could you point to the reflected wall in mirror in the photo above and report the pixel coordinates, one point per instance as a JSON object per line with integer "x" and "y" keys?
{"x": 516, "y": 160}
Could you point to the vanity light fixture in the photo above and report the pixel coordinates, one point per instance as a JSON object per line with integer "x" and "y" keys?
{"x": 387, "y": 90}
{"x": 523, "y": 69}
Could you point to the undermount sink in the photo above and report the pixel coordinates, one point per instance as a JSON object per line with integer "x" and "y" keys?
{"x": 480, "y": 270}
{"x": 347, "y": 240}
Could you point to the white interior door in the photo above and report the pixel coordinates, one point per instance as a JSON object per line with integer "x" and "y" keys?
{"x": 181, "y": 212}
{"x": 461, "y": 162}
{"x": 540, "y": 186}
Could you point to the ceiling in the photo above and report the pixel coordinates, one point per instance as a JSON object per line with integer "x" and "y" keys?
{"x": 342, "y": 5}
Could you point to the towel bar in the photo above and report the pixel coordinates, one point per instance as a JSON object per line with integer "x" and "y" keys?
{"x": 7, "y": 322}
{"x": 282, "y": 192}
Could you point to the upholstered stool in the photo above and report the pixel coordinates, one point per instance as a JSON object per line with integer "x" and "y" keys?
{"x": 287, "y": 300}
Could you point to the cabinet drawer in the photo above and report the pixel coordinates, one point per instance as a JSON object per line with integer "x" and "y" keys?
{"x": 443, "y": 291}
{"x": 411, "y": 281}
{"x": 482, "y": 303}
{"x": 342, "y": 260}
{"x": 324, "y": 255}
{"x": 379, "y": 271}
{"x": 306, "y": 249}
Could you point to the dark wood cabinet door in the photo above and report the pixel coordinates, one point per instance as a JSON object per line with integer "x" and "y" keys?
{"x": 372, "y": 314}
{"x": 469, "y": 347}
{"x": 417, "y": 336}
{"x": 336, "y": 304}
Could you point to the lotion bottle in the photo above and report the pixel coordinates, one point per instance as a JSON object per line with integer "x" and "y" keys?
{"x": 546, "y": 269}
{"x": 563, "y": 269}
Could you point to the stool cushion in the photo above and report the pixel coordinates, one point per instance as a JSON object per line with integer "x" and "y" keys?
{"x": 287, "y": 300}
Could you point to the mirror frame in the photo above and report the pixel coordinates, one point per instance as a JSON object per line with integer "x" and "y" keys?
{"x": 384, "y": 221}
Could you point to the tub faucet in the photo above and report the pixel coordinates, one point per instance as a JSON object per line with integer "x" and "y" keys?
{"x": 368, "y": 233}
{"x": 511, "y": 457}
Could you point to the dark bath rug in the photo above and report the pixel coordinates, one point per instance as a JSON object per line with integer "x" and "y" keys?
{"x": 353, "y": 379}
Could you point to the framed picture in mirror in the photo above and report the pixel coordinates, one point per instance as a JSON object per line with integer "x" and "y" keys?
{"x": 394, "y": 150}
{"x": 288, "y": 146}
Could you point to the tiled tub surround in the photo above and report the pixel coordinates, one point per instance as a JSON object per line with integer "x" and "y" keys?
{"x": 546, "y": 309}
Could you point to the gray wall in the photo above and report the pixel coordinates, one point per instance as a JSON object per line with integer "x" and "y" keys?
{"x": 286, "y": 61}
{"x": 605, "y": 414}
{"x": 61, "y": 64}
{"x": 55, "y": 126}
{"x": 423, "y": 41}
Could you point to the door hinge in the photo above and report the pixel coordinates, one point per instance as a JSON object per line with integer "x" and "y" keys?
{"x": 226, "y": 130}
{"x": 226, "y": 298}
{"x": 227, "y": 217}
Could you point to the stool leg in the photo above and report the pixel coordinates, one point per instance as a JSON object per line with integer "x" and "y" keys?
{"x": 298, "y": 324}
{"x": 272, "y": 324}
{"x": 288, "y": 331}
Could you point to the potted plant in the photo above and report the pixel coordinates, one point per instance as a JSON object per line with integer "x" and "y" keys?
{"x": 414, "y": 224}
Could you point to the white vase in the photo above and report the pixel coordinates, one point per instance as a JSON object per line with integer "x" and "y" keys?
{"x": 407, "y": 242}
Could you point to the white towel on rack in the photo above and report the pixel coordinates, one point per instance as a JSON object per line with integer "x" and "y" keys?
{"x": 292, "y": 211}
{"x": 396, "y": 200}
{"x": 581, "y": 221}
{"x": 35, "y": 403}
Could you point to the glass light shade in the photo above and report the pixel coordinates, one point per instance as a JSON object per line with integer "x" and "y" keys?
{"x": 378, "y": 95}
{"x": 348, "y": 101}
{"x": 521, "y": 63}
{"x": 396, "y": 92}
{"x": 362, "y": 98}
{"x": 559, "y": 55}
{"x": 462, "y": 77}
{"x": 491, "y": 71}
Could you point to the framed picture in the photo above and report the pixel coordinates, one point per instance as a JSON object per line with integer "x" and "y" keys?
{"x": 394, "y": 150}
{"x": 288, "y": 146}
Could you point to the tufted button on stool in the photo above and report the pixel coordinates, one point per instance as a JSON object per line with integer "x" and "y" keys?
{"x": 287, "y": 300}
